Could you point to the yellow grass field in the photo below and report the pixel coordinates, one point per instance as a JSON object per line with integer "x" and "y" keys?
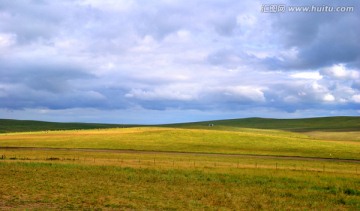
{"x": 164, "y": 168}
{"x": 246, "y": 141}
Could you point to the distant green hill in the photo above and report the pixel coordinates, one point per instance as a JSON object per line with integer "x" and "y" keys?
{"x": 295, "y": 125}
{"x": 8, "y": 125}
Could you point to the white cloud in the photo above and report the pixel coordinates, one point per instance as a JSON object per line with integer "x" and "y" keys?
{"x": 356, "y": 98}
{"x": 245, "y": 93}
{"x": 339, "y": 71}
{"x": 145, "y": 44}
{"x": 7, "y": 40}
{"x": 318, "y": 87}
{"x": 307, "y": 75}
{"x": 163, "y": 93}
{"x": 329, "y": 98}
{"x": 246, "y": 20}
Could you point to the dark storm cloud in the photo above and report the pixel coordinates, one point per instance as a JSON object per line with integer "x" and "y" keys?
{"x": 25, "y": 98}
{"x": 356, "y": 85}
{"x": 41, "y": 75}
{"x": 321, "y": 38}
{"x": 34, "y": 84}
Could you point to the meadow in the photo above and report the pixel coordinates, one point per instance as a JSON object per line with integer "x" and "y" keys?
{"x": 244, "y": 141}
{"x": 305, "y": 165}
{"x": 77, "y": 186}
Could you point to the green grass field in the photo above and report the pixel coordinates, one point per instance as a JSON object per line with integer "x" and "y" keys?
{"x": 72, "y": 186}
{"x": 234, "y": 165}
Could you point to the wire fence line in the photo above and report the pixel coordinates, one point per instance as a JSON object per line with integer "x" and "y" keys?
{"x": 188, "y": 163}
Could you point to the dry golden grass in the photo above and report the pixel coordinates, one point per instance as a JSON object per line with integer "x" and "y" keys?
{"x": 246, "y": 141}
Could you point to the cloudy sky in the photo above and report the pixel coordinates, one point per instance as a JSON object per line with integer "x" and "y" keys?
{"x": 140, "y": 61}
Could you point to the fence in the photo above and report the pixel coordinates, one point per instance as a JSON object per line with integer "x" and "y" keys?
{"x": 168, "y": 163}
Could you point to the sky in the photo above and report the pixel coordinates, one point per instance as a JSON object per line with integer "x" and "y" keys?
{"x": 167, "y": 61}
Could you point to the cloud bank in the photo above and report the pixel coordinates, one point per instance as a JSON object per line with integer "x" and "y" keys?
{"x": 183, "y": 61}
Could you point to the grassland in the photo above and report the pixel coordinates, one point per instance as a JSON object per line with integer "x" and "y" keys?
{"x": 79, "y": 186}
{"x": 224, "y": 167}
{"x": 246, "y": 141}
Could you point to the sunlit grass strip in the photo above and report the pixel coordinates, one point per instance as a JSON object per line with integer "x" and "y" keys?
{"x": 261, "y": 142}
{"x": 176, "y": 161}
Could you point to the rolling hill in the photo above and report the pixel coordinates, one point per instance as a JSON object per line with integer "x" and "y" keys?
{"x": 295, "y": 125}
{"x": 327, "y": 124}
{"x": 9, "y": 125}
